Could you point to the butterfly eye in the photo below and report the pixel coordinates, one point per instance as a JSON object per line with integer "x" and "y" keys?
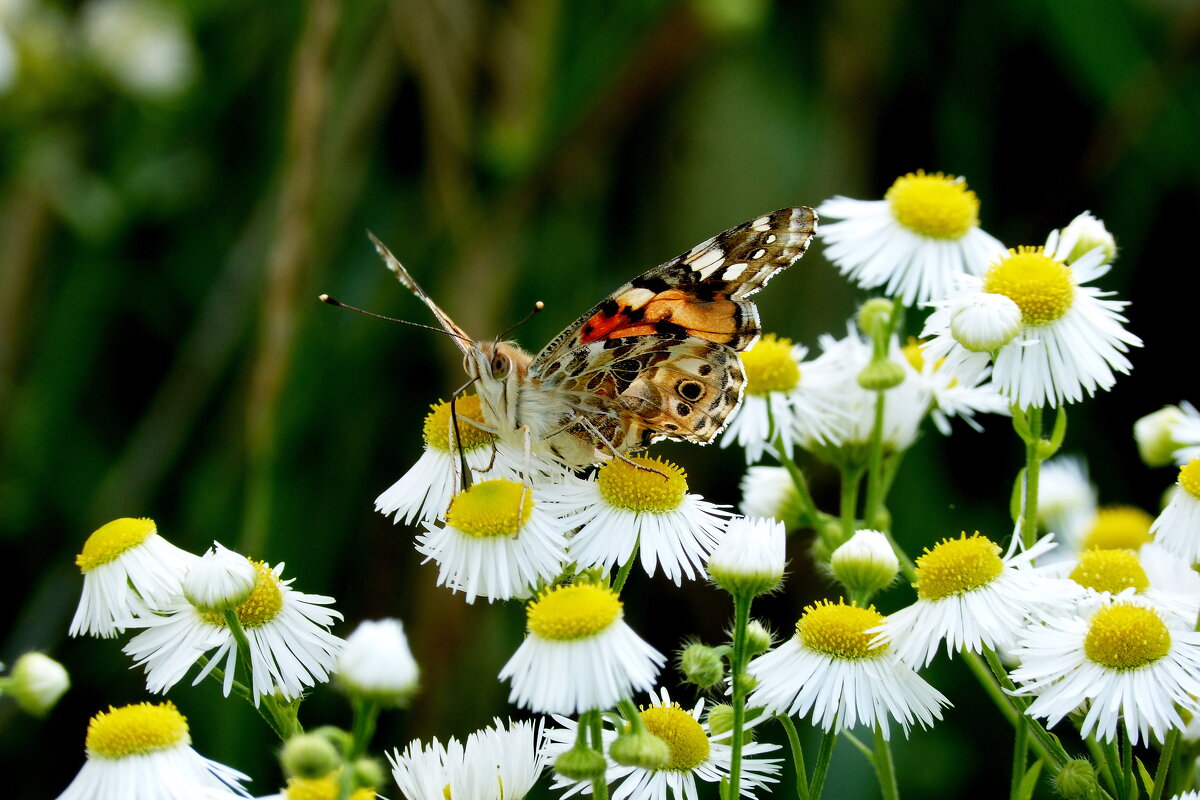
{"x": 500, "y": 365}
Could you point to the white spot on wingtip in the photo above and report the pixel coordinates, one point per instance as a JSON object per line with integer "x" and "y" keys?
{"x": 771, "y": 238}
{"x": 734, "y": 271}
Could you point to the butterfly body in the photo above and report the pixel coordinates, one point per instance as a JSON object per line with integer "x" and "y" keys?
{"x": 656, "y": 359}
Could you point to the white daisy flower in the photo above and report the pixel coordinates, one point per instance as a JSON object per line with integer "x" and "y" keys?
{"x": 834, "y": 670}
{"x": 770, "y": 492}
{"x": 1071, "y": 339}
{"x": 1067, "y": 500}
{"x": 751, "y": 556}
{"x": 499, "y": 541}
{"x": 288, "y": 633}
{"x": 696, "y": 756}
{"x": 425, "y": 491}
{"x": 376, "y": 663}
{"x": 1178, "y": 526}
{"x": 143, "y": 752}
{"x": 579, "y": 654}
{"x": 959, "y": 395}
{"x": 1151, "y": 573}
{"x": 641, "y": 503}
{"x": 785, "y": 397}
{"x": 913, "y": 242}
{"x": 1170, "y": 434}
{"x": 129, "y": 571}
{"x": 1123, "y": 660}
{"x": 501, "y": 762}
{"x": 972, "y": 598}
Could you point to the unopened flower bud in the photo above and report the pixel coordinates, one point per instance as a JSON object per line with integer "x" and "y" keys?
{"x": 377, "y": 664}
{"x": 985, "y": 322}
{"x": 368, "y": 773}
{"x": 640, "y": 749}
{"x": 1084, "y": 234}
{"x": 866, "y": 563}
{"x": 1077, "y": 780}
{"x": 750, "y": 557}
{"x": 720, "y": 718}
{"x": 220, "y": 580}
{"x": 758, "y": 638}
{"x": 701, "y": 665}
{"x": 881, "y": 375}
{"x": 1155, "y": 435}
{"x": 309, "y": 755}
{"x": 875, "y": 317}
{"x": 37, "y": 682}
{"x": 580, "y": 764}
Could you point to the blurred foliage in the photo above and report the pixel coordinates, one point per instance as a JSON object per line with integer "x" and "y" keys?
{"x": 162, "y": 243}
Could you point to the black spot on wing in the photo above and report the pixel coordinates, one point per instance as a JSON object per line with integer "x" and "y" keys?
{"x": 651, "y": 283}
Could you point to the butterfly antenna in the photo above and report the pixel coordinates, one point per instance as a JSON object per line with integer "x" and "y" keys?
{"x": 462, "y": 454}
{"x": 538, "y": 306}
{"x": 327, "y": 300}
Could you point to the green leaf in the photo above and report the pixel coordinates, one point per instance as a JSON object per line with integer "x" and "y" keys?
{"x": 1029, "y": 781}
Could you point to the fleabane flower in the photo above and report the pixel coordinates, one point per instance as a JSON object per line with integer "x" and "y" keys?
{"x": 1170, "y": 434}
{"x": 377, "y": 664}
{"x": 1122, "y": 662}
{"x": 220, "y": 579}
{"x": 579, "y": 654}
{"x": 498, "y": 541}
{"x": 143, "y": 752}
{"x": 959, "y": 395}
{"x": 835, "y": 671}
{"x": 785, "y": 397}
{"x": 641, "y": 502}
{"x": 1150, "y": 573}
{"x": 696, "y": 756}
{"x": 129, "y": 571}
{"x": 1066, "y": 501}
{"x": 914, "y": 242}
{"x": 1177, "y": 528}
{"x": 971, "y": 597}
{"x": 751, "y": 557}
{"x": 501, "y": 762}
{"x": 1071, "y": 340}
{"x": 287, "y": 631}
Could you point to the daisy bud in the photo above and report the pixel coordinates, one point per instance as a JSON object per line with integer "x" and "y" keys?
{"x": 580, "y": 764}
{"x": 340, "y": 739}
{"x": 750, "y": 558}
{"x": 866, "y": 563}
{"x": 220, "y": 580}
{"x": 639, "y": 748}
{"x": 881, "y": 375}
{"x": 1155, "y": 436}
{"x": 875, "y": 317}
{"x": 701, "y": 665}
{"x": 368, "y": 773}
{"x": 758, "y": 638}
{"x": 36, "y": 683}
{"x": 310, "y": 756}
{"x": 377, "y": 664}
{"x": 720, "y": 719}
{"x": 1088, "y": 233}
{"x": 1077, "y": 780}
{"x": 984, "y": 322}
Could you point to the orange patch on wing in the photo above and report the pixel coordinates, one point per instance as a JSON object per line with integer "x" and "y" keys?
{"x": 714, "y": 320}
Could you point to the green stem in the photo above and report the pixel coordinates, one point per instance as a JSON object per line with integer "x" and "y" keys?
{"x": 1113, "y": 759}
{"x": 1164, "y": 763}
{"x": 824, "y": 756}
{"x": 1020, "y": 758}
{"x": 848, "y": 506}
{"x": 592, "y": 721}
{"x": 875, "y": 477}
{"x": 284, "y": 714}
{"x": 885, "y": 768}
{"x": 808, "y": 507}
{"x": 1048, "y": 745}
{"x": 737, "y": 668}
{"x": 366, "y": 713}
{"x": 1127, "y": 764}
{"x": 1033, "y": 461}
{"x": 797, "y": 756}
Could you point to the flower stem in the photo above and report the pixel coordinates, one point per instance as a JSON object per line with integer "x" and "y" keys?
{"x": 737, "y": 670}
{"x": 1049, "y": 746}
{"x": 623, "y": 573}
{"x": 824, "y": 756}
{"x": 1020, "y": 758}
{"x": 286, "y": 723}
{"x": 808, "y": 507}
{"x": 851, "y": 478}
{"x": 797, "y": 756}
{"x": 1033, "y": 462}
{"x": 1164, "y": 763}
{"x": 592, "y": 721}
{"x": 875, "y": 476}
{"x": 885, "y": 768}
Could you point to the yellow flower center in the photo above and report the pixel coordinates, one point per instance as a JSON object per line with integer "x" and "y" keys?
{"x": 572, "y": 612}
{"x": 1189, "y": 477}
{"x": 1110, "y": 571}
{"x": 957, "y": 566}
{"x": 263, "y": 604}
{"x": 325, "y": 788}
{"x": 491, "y": 509}
{"x": 938, "y": 206}
{"x": 1039, "y": 285}
{"x": 684, "y": 736}
{"x": 840, "y": 630}
{"x": 654, "y": 485}
{"x": 113, "y": 539}
{"x": 136, "y": 730}
{"x": 1124, "y": 636}
{"x": 770, "y": 367}
{"x": 438, "y": 433}
{"x": 1118, "y": 528}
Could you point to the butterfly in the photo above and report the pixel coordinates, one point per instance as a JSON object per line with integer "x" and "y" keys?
{"x": 656, "y": 359}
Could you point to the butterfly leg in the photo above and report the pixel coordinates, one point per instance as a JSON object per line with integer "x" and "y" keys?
{"x": 613, "y": 449}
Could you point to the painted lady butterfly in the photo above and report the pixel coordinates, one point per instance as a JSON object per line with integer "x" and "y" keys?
{"x": 657, "y": 359}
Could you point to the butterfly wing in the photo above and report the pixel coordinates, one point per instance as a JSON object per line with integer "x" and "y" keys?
{"x": 700, "y": 294}
{"x": 658, "y": 359}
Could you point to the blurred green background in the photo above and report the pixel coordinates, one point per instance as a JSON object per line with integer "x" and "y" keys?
{"x": 178, "y": 181}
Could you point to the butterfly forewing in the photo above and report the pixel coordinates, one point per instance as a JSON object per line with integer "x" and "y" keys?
{"x": 699, "y": 294}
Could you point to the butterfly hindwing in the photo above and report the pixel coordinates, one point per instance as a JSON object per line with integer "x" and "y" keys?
{"x": 700, "y": 294}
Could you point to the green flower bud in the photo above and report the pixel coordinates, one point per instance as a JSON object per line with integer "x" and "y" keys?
{"x": 1088, "y": 233}
{"x": 701, "y": 665}
{"x": 1155, "y": 435}
{"x": 875, "y": 317}
{"x": 309, "y": 755}
{"x": 37, "y": 682}
{"x": 720, "y": 718}
{"x": 580, "y": 764}
{"x": 640, "y": 749}
{"x": 881, "y": 375}
{"x": 758, "y": 638}
{"x": 368, "y": 773}
{"x": 866, "y": 563}
{"x": 1077, "y": 780}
